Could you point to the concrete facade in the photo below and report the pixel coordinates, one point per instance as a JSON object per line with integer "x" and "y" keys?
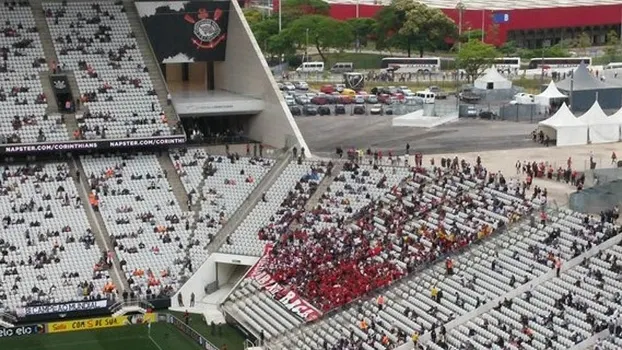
{"x": 246, "y": 72}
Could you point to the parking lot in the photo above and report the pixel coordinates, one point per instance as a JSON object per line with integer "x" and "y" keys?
{"x": 335, "y": 99}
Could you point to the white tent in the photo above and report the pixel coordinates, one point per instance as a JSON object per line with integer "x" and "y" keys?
{"x": 492, "y": 80}
{"x": 616, "y": 119}
{"x": 550, "y": 93}
{"x": 602, "y": 129}
{"x": 565, "y": 128}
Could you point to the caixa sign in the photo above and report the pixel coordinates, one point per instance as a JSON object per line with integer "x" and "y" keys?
{"x": 21, "y": 331}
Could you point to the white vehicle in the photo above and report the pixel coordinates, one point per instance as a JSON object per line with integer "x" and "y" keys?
{"x": 376, "y": 109}
{"x": 311, "y": 67}
{"x": 426, "y": 97}
{"x": 290, "y": 100}
{"x": 301, "y": 85}
{"x": 558, "y": 62}
{"x": 412, "y": 100}
{"x": 359, "y": 99}
{"x": 289, "y": 87}
{"x": 339, "y": 87}
{"x": 613, "y": 65}
{"x": 407, "y": 92}
{"x": 523, "y": 99}
{"x": 505, "y": 63}
{"x": 412, "y": 64}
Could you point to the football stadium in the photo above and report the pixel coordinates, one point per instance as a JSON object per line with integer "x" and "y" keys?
{"x": 160, "y": 189}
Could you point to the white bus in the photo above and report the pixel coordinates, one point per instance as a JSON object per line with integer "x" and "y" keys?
{"x": 558, "y": 62}
{"x": 613, "y": 65}
{"x": 412, "y": 64}
{"x": 310, "y": 67}
{"x": 505, "y": 63}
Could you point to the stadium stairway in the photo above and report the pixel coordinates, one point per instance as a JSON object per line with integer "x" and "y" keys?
{"x": 174, "y": 181}
{"x": 98, "y": 226}
{"x": 240, "y": 214}
{"x": 44, "y": 77}
{"x": 44, "y": 31}
{"x": 323, "y": 186}
{"x": 208, "y": 304}
{"x": 159, "y": 83}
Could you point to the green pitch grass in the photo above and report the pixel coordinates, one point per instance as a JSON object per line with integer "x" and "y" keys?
{"x": 163, "y": 337}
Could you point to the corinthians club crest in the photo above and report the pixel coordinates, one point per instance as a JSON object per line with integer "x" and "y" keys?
{"x": 207, "y": 32}
{"x": 354, "y": 81}
{"x": 59, "y": 84}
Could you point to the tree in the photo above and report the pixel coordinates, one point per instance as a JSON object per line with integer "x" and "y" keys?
{"x": 424, "y": 27}
{"x": 264, "y": 30}
{"x": 253, "y": 16}
{"x": 475, "y": 56}
{"x": 613, "y": 45}
{"x": 413, "y": 25}
{"x": 388, "y": 24}
{"x": 362, "y": 28}
{"x": 294, "y": 9}
{"x": 508, "y": 49}
{"x": 583, "y": 41}
{"x": 281, "y": 44}
{"x": 471, "y": 34}
{"x": 324, "y": 33}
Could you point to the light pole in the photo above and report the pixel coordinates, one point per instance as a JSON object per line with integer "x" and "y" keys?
{"x": 460, "y": 7}
{"x": 544, "y": 46}
{"x": 307, "y": 44}
{"x": 280, "y": 16}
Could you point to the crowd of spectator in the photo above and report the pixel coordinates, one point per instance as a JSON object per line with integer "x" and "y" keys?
{"x": 331, "y": 265}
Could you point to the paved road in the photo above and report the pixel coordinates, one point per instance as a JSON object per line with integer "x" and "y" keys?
{"x": 324, "y": 134}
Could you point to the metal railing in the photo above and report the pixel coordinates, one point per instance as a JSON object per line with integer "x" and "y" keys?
{"x": 141, "y": 303}
{"x": 8, "y": 317}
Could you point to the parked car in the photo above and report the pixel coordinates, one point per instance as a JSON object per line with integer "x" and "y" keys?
{"x": 281, "y": 86}
{"x": 319, "y": 100}
{"x": 471, "y": 112}
{"x": 376, "y": 109}
{"x": 440, "y": 94}
{"x": 359, "y": 109}
{"x": 340, "y": 109}
{"x": 327, "y": 89}
{"x": 289, "y": 87}
{"x": 384, "y": 98}
{"x": 388, "y": 111}
{"x": 373, "y": 99}
{"x": 488, "y": 115}
{"x": 469, "y": 96}
{"x": 296, "y": 111}
{"x": 302, "y": 99}
{"x": 310, "y": 110}
{"x": 290, "y": 100}
{"x": 323, "y": 110}
{"x": 345, "y": 99}
{"x": 359, "y": 100}
{"x": 339, "y": 87}
{"x": 301, "y": 85}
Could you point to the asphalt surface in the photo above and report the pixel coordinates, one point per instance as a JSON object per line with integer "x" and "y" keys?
{"x": 324, "y": 134}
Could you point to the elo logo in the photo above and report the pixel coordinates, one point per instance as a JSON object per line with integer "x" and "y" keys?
{"x": 18, "y": 331}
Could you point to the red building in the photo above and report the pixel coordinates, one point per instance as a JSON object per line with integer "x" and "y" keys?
{"x": 528, "y": 27}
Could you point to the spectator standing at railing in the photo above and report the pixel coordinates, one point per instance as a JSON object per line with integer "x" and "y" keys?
{"x": 449, "y": 266}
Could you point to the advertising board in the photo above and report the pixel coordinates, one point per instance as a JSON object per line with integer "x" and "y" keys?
{"x": 68, "y": 146}
{"x": 62, "y": 308}
{"x": 22, "y": 331}
{"x": 186, "y": 31}
{"x": 99, "y": 323}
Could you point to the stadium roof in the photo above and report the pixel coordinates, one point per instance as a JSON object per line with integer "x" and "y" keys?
{"x": 488, "y": 5}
